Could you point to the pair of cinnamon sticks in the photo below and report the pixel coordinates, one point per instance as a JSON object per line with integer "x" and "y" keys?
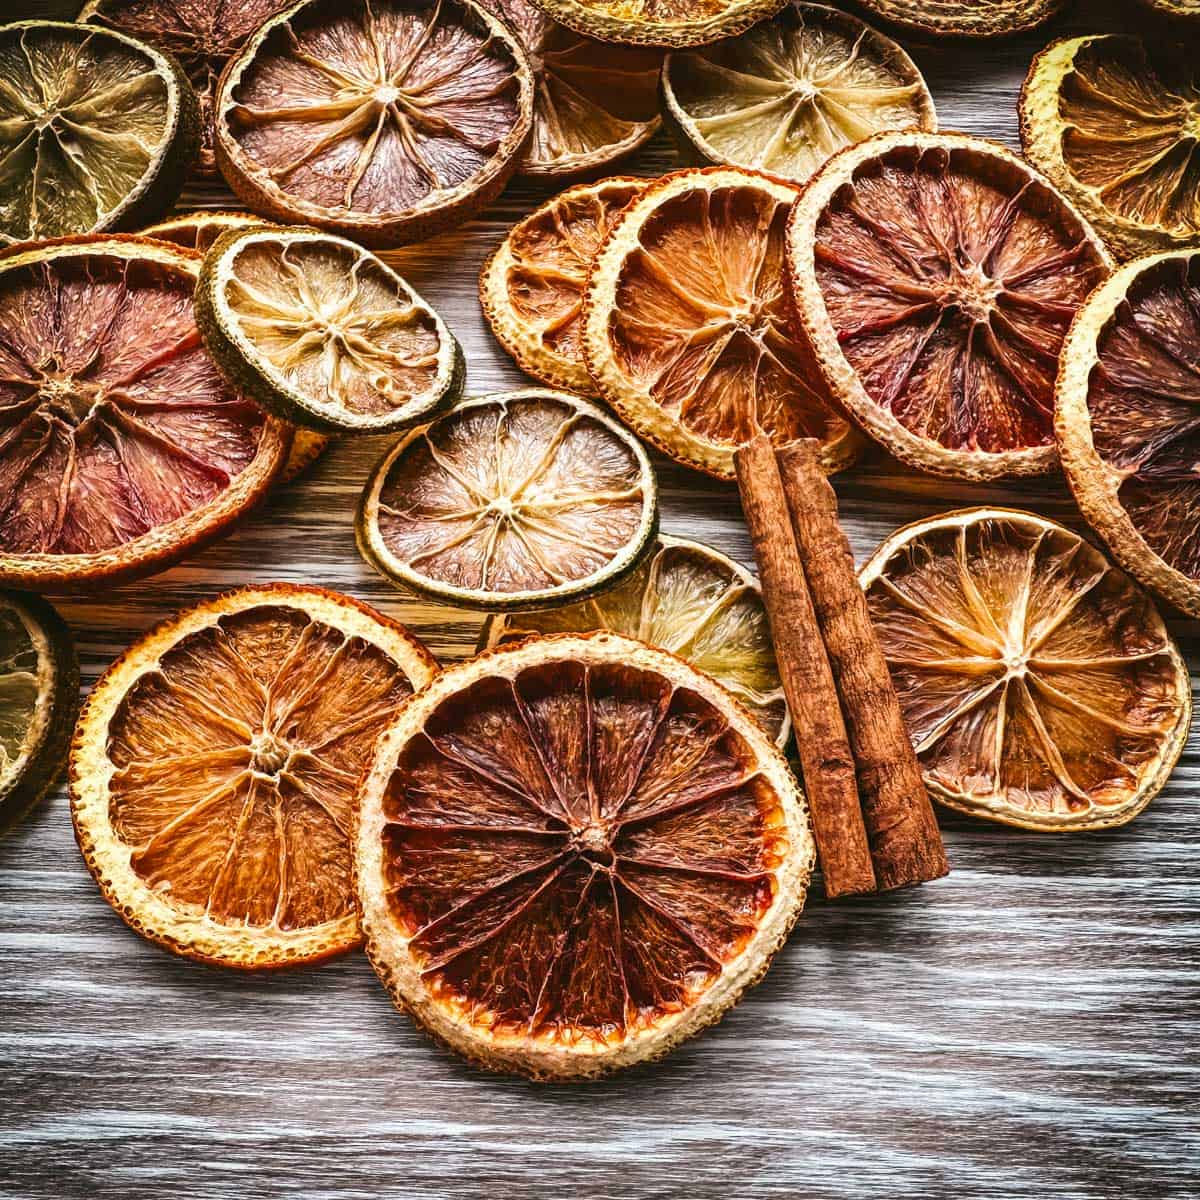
{"x": 872, "y": 820}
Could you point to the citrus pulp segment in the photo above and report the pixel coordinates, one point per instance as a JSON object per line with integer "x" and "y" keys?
{"x": 964, "y": 18}
{"x": 383, "y": 120}
{"x": 687, "y": 326}
{"x": 934, "y": 277}
{"x": 1038, "y": 683}
{"x": 659, "y": 22}
{"x": 574, "y": 853}
{"x": 786, "y": 94}
{"x": 214, "y": 768}
{"x": 518, "y": 500}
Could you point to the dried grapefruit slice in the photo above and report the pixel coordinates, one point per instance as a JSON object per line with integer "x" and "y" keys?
{"x": 531, "y": 288}
{"x": 1115, "y": 123}
{"x": 383, "y": 120}
{"x": 516, "y": 500}
{"x": 788, "y": 93}
{"x": 121, "y": 447}
{"x": 214, "y": 769}
{"x": 934, "y": 277}
{"x": 964, "y": 18}
{"x": 1039, "y": 684}
{"x": 574, "y": 853}
{"x": 687, "y": 329}
{"x": 97, "y": 131}
{"x": 660, "y": 22}
{"x": 690, "y": 599}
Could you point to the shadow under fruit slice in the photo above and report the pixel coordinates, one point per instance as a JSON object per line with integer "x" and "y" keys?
{"x": 518, "y": 500}
{"x": 1115, "y": 123}
{"x": 1038, "y": 683}
{"x": 935, "y": 277}
{"x": 214, "y": 769}
{"x": 97, "y": 131}
{"x": 687, "y": 329}
{"x": 964, "y": 18}
{"x": 659, "y": 22}
{"x": 786, "y": 94}
{"x": 1128, "y": 420}
{"x": 121, "y": 447}
{"x": 574, "y": 853}
{"x": 531, "y": 288}
{"x": 383, "y": 120}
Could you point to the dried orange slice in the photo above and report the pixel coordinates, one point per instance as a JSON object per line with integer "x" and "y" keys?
{"x": 97, "y": 131}
{"x": 934, "y": 277}
{"x": 786, "y": 94}
{"x": 214, "y": 769}
{"x": 687, "y": 329}
{"x": 687, "y": 598}
{"x": 964, "y": 18}
{"x": 121, "y": 447}
{"x": 531, "y": 288}
{"x": 574, "y": 853}
{"x": 659, "y": 22}
{"x": 383, "y": 120}
{"x": 517, "y": 500}
{"x": 1127, "y": 420}
{"x": 1115, "y": 123}
{"x": 1039, "y": 684}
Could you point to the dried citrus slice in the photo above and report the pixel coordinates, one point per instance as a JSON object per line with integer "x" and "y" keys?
{"x": 964, "y": 18}
{"x": 1127, "y": 420}
{"x": 531, "y": 288}
{"x": 121, "y": 447}
{"x": 934, "y": 278}
{"x": 201, "y": 34}
{"x": 786, "y": 94}
{"x": 39, "y": 700}
{"x": 687, "y": 330}
{"x": 659, "y": 22}
{"x": 511, "y": 501}
{"x": 574, "y": 853}
{"x": 384, "y": 120}
{"x": 1179, "y": 10}
{"x": 323, "y": 333}
{"x": 1115, "y": 123}
{"x": 97, "y": 131}
{"x": 214, "y": 769}
{"x": 1039, "y": 684}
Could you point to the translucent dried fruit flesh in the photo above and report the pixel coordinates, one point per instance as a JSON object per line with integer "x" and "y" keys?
{"x": 965, "y": 18}
{"x": 786, "y": 94}
{"x": 659, "y": 22}
{"x": 21, "y": 689}
{"x": 1038, "y": 684}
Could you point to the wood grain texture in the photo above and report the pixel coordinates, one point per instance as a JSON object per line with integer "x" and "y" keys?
{"x": 1026, "y": 1027}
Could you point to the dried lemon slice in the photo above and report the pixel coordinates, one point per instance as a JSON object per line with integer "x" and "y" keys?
{"x": 964, "y": 18}
{"x": 785, "y": 95}
{"x": 1039, "y": 685}
{"x": 660, "y": 22}
{"x": 575, "y": 853}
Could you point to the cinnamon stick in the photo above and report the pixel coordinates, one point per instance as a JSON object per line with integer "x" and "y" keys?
{"x": 821, "y": 739}
{"x": 906, "y": 844}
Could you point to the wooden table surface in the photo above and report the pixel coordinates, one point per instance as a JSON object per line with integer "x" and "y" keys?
{"x": 1025, "y": 1027}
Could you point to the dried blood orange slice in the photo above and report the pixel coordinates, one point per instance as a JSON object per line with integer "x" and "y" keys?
{"x": 687, "y": 330}
{"x": 121, "y": 447}
{"x": 214, "y": 770}
{"x": 964, "y": 18}
{"x": 574, "y": 853}
{"x": 934, "y": 278}
{"x": 1039, "y": 684}
{"x": 687, "y": 598}
{"x": 659, "y": 22}
{"x": 97, "y": 131}
{"x": 786, "y": 94}
{"x": 531, "y": 288}
{"x": 384, "y": 120}
{"x": 1128, "y": 420}
{"x": 1115, "y": 123}
{"x": 511, "y": 501}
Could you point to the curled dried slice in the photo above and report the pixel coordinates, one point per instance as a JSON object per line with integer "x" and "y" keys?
{"x": 787, "y": 94}
{"x": 934, "y": 278}
{"x": 511, "y": 501}
{"x": 574, "y": 853}
{"x": 964, "y": 18}
{"x": 1115, "y": 123}
{"x": 1038, "y": 683}
{"x": 531, "y": 288}
{"x": 121, "y": 447}
{"x": 687, "y": 329}
{"x": 659, "y": 22}
{"x": 214, "y": 769}
{"x": 383, "y": 120}
{"x": 97, "y": 131}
